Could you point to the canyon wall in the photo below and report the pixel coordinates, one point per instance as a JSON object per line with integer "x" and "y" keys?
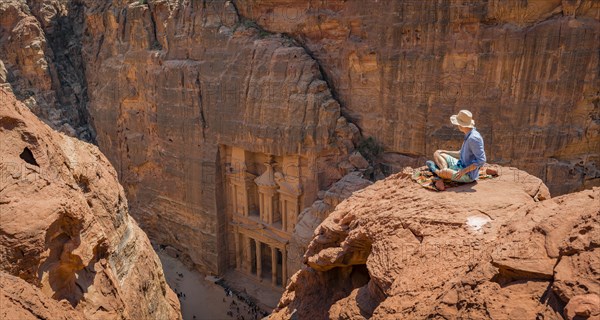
{"x": 41, "y": 62}
{"x": 192, "y": 100}
{"x": 497, "y": 249}
{"x": 185, "y": 95}
{"x": 66, "y": 232}
{"x": 528, "y": 70}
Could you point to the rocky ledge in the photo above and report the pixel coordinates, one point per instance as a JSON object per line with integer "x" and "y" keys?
{"x": 66, "y": 233}
{"x": 496, "y": 249}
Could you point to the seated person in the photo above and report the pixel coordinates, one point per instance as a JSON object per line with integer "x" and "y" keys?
{"x": 462, "y": 165}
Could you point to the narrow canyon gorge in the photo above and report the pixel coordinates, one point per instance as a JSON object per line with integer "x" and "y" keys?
{"x": 270, "y": 145}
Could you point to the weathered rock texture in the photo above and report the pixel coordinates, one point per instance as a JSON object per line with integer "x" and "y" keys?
{"x": 174, "y": 87}
{"x": 20, "y": 300}
{"x": 528, "y": 70}
{"x": 311, "y": 217}
{"x": 41, "y": 62}
{"x": 170, "y": 86}
{"x": 492, "y": 249}
{"x": 65, "y": 229}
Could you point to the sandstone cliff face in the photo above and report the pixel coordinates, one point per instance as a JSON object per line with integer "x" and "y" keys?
{"x": 397, "y": 251}
{"x": 170, "y": 86}
{"x": 40, "y": 61}
{"x": 66, "y": 230}
{"x": 173, "y": 86}
{"x": 528, "y": 70}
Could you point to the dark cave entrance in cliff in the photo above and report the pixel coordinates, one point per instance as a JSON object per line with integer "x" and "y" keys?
{"x": 359, "y": 276}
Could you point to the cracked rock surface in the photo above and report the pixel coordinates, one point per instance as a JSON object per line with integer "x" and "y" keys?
{"x": 495, "y": 249}
{"x": 65, "y": 231}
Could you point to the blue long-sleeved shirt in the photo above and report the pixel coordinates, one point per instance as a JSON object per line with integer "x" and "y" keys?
{"x": 472, "y": 152}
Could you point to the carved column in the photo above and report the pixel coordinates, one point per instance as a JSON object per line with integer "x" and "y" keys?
{"x": 261, "y": 205}
{"x": 290, "y": 205}
{"x": 284, "y": 267}
{"x": 233, "y": 191}
{"x": 283, "y": 206}
{"x": 274, "y": 266}
{"x": 258, "y": 260}
{"x": 290, "y": 190}
{"x": 241, "y": 183}
{"x": 247, "y": 255}
{"x": 267, "y": 190}
{"x": 238, "y": 261}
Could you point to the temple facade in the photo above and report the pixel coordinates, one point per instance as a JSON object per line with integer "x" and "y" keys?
{"x": 264, "y": 196}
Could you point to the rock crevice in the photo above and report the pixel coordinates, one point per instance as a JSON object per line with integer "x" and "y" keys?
{"x": 427, "y": 255}
{"x": 66, "y": 232}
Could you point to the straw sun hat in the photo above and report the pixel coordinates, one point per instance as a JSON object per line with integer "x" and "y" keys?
{"x": 464, "y": 118}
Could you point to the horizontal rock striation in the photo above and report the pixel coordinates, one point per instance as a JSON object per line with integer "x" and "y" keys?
{"x": 526, "y": 69}
{"x": 170, "y": 88}
{"x": 174, "y": 86}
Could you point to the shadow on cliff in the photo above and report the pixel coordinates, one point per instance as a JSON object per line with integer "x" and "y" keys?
{"x": 64, "y": 269}
{"x": 467, "y": 187}
{"x": 64, "y": 32}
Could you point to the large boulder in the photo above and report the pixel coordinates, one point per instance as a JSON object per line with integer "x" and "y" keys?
{"x": 66, "y": 229}
{"x": 492, "y": 249}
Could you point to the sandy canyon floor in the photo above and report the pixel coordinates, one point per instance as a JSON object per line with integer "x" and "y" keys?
{"x": 200, "y": 296}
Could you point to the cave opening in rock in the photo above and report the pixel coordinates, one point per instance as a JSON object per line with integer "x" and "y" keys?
{"x": 28, "y": 157}
{"x": 359, "y": 276}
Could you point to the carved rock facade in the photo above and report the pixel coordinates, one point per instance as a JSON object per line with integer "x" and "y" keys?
{"x": 178, "y": 91}
{"x": 223, "y": 132}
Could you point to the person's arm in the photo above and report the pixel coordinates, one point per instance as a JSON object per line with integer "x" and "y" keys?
{"x": 466, "y": 170}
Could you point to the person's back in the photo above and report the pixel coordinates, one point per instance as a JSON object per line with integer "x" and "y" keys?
{"x": 472, "y": 152}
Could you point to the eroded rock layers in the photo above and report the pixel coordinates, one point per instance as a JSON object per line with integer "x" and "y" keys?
{"x": 492, "y": 250}
{"x": 528, "y": 70}
{"x": 187, "y": 98}
{"x": 178, "y": 91}
{"x": 66, "y": 232}
{"x": 41, "y": 61}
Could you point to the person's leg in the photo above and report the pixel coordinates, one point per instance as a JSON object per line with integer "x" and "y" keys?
{"x": 446, "y": 173}
{"x": 453, "y": 168}
{"x": 440, "y": 160}
{"x": 450, "y": 174}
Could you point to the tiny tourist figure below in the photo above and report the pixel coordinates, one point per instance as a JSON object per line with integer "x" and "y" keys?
{"x": 462, "y": 165}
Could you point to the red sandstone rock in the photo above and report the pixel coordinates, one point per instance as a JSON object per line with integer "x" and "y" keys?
{"x": 489, "y": 250}
{"x": 20, "y": 300}
{"x": 401, "y": 68}
{"x": 65, "y": 230}
{"x": 311, "y": 217}
{"x": 583, "y": 307}
{"x": 40, "y": 49}
{"x": 171, "y": 83}
{"x": 193, "y": 80}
